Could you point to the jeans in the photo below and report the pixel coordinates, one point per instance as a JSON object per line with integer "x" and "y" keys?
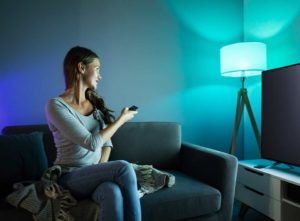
{"x": 112, "y": 185}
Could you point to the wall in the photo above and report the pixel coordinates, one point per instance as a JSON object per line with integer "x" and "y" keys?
{"x": 275, "y": 23}
{"x": 162, "y": 56}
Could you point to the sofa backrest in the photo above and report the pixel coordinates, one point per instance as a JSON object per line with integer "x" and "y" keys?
{"x": 155, "y": 143}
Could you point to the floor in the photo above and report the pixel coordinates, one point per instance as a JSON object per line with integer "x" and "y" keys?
{"x": 251, "y": 214}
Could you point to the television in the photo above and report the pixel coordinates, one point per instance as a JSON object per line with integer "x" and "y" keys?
{"x": 281, "y": 115}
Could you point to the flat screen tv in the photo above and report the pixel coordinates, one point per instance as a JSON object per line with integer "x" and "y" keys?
{"x": 281, "y": 115}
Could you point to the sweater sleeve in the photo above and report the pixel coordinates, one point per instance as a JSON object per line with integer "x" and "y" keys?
{"x": 108, "y": 144}
{"x": 61, "y": 118}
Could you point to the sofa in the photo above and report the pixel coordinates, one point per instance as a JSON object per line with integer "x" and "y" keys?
{"x": 204, "y": 178}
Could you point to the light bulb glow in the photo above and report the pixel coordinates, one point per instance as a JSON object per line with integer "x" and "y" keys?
{"x": 243, "y": 59}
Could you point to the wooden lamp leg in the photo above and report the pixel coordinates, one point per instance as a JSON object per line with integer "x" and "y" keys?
{"x": 252, "y": 119}
{"x": 237, "y": 121}
{"x": 243, "y": 210}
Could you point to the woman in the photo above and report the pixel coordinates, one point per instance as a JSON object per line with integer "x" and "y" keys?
{"x": 82, "y": 126}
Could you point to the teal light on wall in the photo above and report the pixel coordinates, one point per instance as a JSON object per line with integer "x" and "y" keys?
{"x": 205, "y": 19}
{"x": 267, "y": 19}
{"x": 243, "y": 59}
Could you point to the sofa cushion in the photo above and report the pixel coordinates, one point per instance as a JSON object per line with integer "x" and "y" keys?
{"x": 47, "y": 137}
{"x": 22, "y": 158}
{"x": 187, "y": 198}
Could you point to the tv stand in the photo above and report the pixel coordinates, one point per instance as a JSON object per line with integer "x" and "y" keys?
{"x": 273, "y": 190}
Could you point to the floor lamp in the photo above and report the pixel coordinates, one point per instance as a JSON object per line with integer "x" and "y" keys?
{"x": 243, "y": 60}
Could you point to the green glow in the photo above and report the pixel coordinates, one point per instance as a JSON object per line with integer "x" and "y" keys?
{"x": 213, "y": 20}
{"x": 264, "y": 19}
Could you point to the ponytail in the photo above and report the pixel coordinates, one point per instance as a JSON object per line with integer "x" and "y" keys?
{"x": 99, "y": 103}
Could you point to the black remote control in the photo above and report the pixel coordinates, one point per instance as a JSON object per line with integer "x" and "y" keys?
{"x": 133, "y": 108}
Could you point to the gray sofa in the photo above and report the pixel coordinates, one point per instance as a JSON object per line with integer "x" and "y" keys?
{"x": 205, "y": 178}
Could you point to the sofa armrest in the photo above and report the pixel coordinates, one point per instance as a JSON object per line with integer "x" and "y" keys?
{"x": 215, "y": 168}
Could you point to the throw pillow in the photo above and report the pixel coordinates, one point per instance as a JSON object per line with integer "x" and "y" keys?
{"x": 22, "y": 157}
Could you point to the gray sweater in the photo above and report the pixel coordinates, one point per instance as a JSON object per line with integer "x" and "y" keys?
{"x": 76, "y": 136}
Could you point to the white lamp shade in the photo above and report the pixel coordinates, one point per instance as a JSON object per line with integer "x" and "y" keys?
{"x": 243, "y": 59}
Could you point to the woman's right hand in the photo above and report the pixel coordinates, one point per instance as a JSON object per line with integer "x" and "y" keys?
{"x": 109, "y": 131}
{"x": 127, "y": 114}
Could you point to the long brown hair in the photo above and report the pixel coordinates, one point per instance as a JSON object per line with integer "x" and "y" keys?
{"x": 86, "y": 56}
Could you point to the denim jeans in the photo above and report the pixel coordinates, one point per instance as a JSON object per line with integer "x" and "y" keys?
{"x": 112, "y": 185}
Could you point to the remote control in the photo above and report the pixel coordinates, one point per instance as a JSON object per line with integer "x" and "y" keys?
{"x": 133, "y": 108}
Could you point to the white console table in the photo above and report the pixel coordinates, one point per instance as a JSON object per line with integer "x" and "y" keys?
{"x": 273, "y": 191}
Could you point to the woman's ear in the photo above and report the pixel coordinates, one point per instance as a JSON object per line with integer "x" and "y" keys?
{"x": 81, "y": 67}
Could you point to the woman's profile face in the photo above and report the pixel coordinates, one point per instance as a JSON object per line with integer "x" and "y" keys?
{"x": 92, "y": 74}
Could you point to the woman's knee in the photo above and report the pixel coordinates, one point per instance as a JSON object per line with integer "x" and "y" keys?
{"x": 123, "y": 163}
{"x": 127, "y": 170}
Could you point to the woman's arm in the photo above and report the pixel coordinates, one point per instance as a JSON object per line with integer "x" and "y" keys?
{"x": 63, "y": 119}
{"x": 105, "y": 154}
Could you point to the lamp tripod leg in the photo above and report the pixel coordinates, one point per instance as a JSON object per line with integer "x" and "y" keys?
{"x": 237, "y": 121}
{"x": 252, "y": 119}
